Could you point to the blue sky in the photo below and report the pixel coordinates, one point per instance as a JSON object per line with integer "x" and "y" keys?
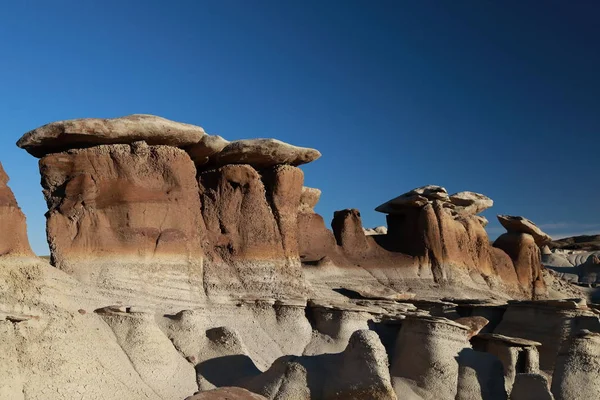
{"x": 498, "y": 97}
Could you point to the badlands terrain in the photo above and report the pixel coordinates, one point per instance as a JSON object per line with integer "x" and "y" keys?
{"x": 187, "y": 266}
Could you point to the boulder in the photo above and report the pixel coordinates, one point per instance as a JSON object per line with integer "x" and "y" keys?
{"x": 80, "y": 133}
{"x": 263, "y": 153}
{"x": 13, "y": 237}
{"x": 471, "y": 202}
{"x": 522, "y": 225}
{"x": 577, "y": 373}
{"x": 208, "y": 146}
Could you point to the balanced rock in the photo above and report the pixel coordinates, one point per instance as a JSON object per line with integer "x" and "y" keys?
{"x": 79, "y": 133}
{"x": 522, "y": 225}
{"x": 263, "y": 153}
{"x": 13, "y": 237}
{"x": 526, "y": 256}
{"x": 471, "y": 202}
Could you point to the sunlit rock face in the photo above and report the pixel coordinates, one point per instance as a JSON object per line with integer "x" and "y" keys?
{"x": 13, "y": 232}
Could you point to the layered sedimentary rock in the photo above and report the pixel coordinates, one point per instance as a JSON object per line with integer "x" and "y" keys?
{"x": 447, "y": 237}
{"x": 119, "y": 213}
{"x": 13, "y": 235}
{"x": 251, "y": 228}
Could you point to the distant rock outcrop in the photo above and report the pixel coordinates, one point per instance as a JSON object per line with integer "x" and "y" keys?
{"x": 13, "y": 235}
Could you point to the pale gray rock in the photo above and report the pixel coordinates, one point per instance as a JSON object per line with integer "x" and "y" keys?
{"x": 77, "y": 133}
{"x": 379, "y": 230}
{"x": 515, "y": 224}
{"x": 263, "y": 153}
{"x": 308, "y": 200}
{"x": 471, "y": 202}
{"x": 577, "y": 372}
{"x": 206, "y": 147}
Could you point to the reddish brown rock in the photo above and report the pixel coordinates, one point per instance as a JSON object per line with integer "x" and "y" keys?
{"x": 475, "y": 324}
{"x": 13, "y": 235}
{"x": 526, "y": 257}
{"x": 252, "y": 245}
{"x": 451, "y": 244}
{"x": 523, "y": 225}
{"x": 121, "y": 204}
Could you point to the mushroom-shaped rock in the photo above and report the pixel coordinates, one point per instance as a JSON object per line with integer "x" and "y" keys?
{"x": 263, "y": 153}
{"x": 86, "y": 132}
{"x": 415, "y": 198}
{"x": 522, "y": 225}
{"x": 471, "y": 202}
{"x": 206, "y": 147}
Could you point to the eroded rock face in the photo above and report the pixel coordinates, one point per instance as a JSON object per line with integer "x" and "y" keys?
{"x": 208, "y": 146}
{"x": 471, "y": 202}
{"x": 578, "y": 368}
{"x": 526, "y": 257}
{"x": 13, "y": 236}
{"x": 359, "y": 372}
{"x": 227, "y": 393}
{"x": 120, "y": 208}
{"x": 78, "y": 133}
{"x": 252, "y": 230}
{"x": 523, "y": 225}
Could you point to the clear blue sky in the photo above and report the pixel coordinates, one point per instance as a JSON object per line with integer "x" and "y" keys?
{"x": 498, "y": 97}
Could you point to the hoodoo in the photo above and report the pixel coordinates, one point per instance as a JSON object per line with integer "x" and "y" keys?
{"x": 185, "y": 266}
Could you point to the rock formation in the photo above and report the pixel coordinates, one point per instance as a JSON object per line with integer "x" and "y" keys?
{"x": 193, "y": 267}
{"x": 523, "y": 225}
{"x": 578, "y": 368}
{"x": 13, "y": 237}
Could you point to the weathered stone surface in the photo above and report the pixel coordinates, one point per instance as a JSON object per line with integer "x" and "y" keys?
{"x": 531, "y": 387}
{"x": 207, "y": 146}
{"x": 577, "y": 373}
{"x": 117, "y": 210}
{"x": 309, "y": 199}
{"x": 252, "y": 230}
{"x": 548, "y": 323}
{"x": 77, "y": 133}
{"x": 360, "y": 372}
{"x": 13, "y": 233}
{"x": 263, "y": 153}
{"x": 522, "y": 225}
{"x": 227, "y": 393}
{"x": 526, "y": 257}
{"x": 415, "y": 198}
{"x": 475, "y": 324}
{"x": 471, "y": 202}
{"x": 425, "y": 358}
